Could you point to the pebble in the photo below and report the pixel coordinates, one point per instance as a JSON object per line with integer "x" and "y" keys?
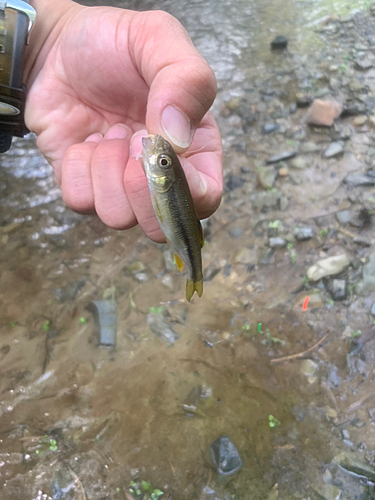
{"x": 304, "y": 101}
{"x": 328, "y": 267}
{"x": 337, "y": 289}
{"x": 323, "y": 113}
{"x": 308, "y": 367}
{"x": 246, "y": 256}
{"x": 279, "y": 42}
{"x": 299, "y": 163}
{"x": 285, "y": 155}
{"x": 225, "y": 456}
{"x": 344, "y": 217}
{"x": 359, "y": 180}
{"x": 236, "y": 232}
{"x": 267, "y": 177}
{"x": 233, "y": 182}
{"x": 283, "y": 172}
{"x": 334, "y": 149}
{"x": 161, "y": 328}
{"x": 309, "y": 147}
{"x": 268, "y": 128}
{"x": 277, "y": 242}
{"x": 303, "y": 233}
{"x": 360, "y": 120}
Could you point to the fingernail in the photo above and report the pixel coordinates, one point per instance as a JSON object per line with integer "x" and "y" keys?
{"x": 94, "y": 138}
{"x": 177, "y": 126}
{"x": 118, "y": 131}
{"x": 136, "y": 144}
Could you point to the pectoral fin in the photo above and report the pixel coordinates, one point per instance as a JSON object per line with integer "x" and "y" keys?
{"x": 179, "y": 262}
{"x": 157, "y": 210}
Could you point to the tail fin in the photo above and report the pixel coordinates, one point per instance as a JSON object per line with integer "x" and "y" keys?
{"x": 193, "y": 286}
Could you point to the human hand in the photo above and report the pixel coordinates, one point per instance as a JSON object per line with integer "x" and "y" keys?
{"x": 100, "y": 78}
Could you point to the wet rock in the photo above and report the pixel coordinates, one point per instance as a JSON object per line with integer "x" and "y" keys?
{"x": 233, "y": 182}
{"x": 269, "y": 199}
{"x": 285, "y": 155}
{"x": 267, "y": 177}
{"x": 308, "y": 367}
{"x": 334, "y": 379}
{"x": 277, "y": 242}
{"x": 344, "y": 217}
{"x": 225, "y": 456}
{"x": 353, "y": 109}
{"x": 303, "y": 233}
{"x": 337, "y": 289}
{"x": 105, "y": 320}
{"x": 283, "y": 172}
{"x": 233, "y": 104}
{"x": 359, "y": 180}
{"x": 279, "y": 42}
{"x": 310, "y": 147}
{"x": 373, "y": 309}
{"x": 138, "y": 271}
{"x": 236, "y": 232}
{"x": 328, "y": 492}
{"x": 363, "y": 242}
{"x": 246, "y": 256}
{"x": 360, "y": 120}
{"x": 161, "y": 328}
{"x": 328, "y": 267}
{"x": 367, "y": 285}
{"x": 334, "y": 149}
{"x": 363, "y": 64}
{"x": 323, "y": 113}
{"x": 299, "y": 163}
{"x": 70, "y": 292}
{"x": 304, "y": 101}
{"x": 268, "y": 128}
{"x": 351, "y": 463}
{"x": 191, "y": 401}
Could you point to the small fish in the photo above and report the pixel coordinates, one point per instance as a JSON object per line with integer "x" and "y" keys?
{"x": 174, "y": 208}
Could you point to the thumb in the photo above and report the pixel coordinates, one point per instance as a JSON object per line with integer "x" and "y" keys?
{"x": 182, "y": 84}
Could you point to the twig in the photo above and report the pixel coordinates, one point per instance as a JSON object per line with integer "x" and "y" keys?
{"x": 346, "y": 232}
{"x": 354, "y": 406}
{"x": 300, "y": 354}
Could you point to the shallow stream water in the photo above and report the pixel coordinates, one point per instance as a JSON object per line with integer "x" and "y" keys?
{"x": 78, "y": 420}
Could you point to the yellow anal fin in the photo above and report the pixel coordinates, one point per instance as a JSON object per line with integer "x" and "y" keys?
{"x": 193, "y": 286}
{"x": 179, "y": 262}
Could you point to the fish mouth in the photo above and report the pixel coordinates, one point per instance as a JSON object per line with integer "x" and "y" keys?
{"x": 152, "y": 143}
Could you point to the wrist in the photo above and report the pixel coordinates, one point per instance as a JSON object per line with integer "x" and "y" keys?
{"x": 50, "y": 19}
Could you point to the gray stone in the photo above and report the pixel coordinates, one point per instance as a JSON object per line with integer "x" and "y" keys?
{"x": 246, "y": 256}
{"x": 161, "y": 328}
{"x": 334, "y": 149}
{"x": 299, "y": 163}
{"x": 359, "y": 180}
{"x": 268, "y": 128}
{"x": 337, "y": 289}
{"x": 303, "y": 233}
{"x": 105, "y": 320}
{"x": 279, "y": 42}
{"x": 344, "y": 217}
{"x": 349, "y": 462}
{"x": 363, "y": 64}
{"x": 285, "y": 155}
{"x": 277, "y": 242}
{"x": 373, "y": 309}
{"x": 225, "y": 456}
{"x": 367, "y": 285}
{"x": 328, "y": 267}
{"x": 267, "y": 176}
{"x": 236, "y": 232}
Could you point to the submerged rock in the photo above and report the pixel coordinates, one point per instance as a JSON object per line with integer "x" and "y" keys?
{"x": 303, "y": 233}
{"x": 328, "y": 267}
{"x": 367, "y": 285}
{"x": 334, "y": 149}
{"x": 267, "y": 177}
{"x": 359, "y": 180}
{"x": 285, "y": 155}
{"x": 279, "y": 42}
{"x": 351, "y": 463}
{"x": 299, "y": 163}
{"x": 105, "y": 320}
{"x": 268, "y": 128}
{"x": 277, "y": 242}
{"x": 344, "y": 217}
{"x": 308, "y": 367}
{"x": 225, "y": 456}
{"x": 161, "y": 328}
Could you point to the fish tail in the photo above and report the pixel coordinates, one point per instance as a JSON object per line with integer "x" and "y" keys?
{"x": 193, "y": 286}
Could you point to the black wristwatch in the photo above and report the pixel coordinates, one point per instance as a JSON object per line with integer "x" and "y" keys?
{"x": 16, "y": 20}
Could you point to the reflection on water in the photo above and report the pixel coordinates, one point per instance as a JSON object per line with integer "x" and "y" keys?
{"x": 75, "y": 413}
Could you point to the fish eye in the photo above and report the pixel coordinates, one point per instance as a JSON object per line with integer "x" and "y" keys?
{"x": 164, "y": 161}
